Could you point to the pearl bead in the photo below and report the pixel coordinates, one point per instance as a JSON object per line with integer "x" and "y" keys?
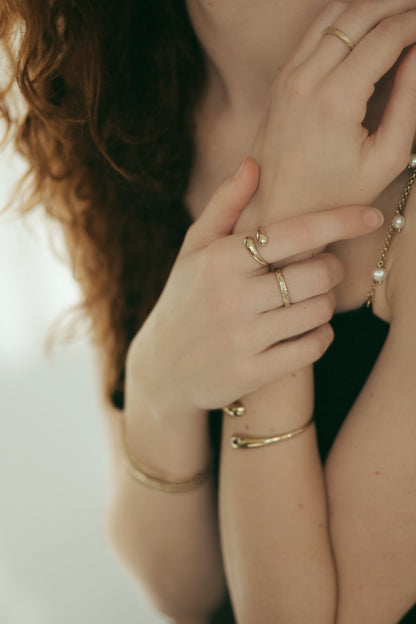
{"x": 412, "y": 161}
{"x": 379, "y": 275}
{"x": 398, "y": 222}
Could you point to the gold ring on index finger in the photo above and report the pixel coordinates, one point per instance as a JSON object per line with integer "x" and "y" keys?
{"x": 250, "y": 245}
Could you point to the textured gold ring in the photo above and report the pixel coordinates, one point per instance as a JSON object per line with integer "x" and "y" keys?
{"x": 251, "y": 246}
{"x": 283, "y": 287}
{"x": 332, "y": 30}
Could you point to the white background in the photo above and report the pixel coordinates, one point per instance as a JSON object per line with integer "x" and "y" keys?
{"x": 55, "y": 563}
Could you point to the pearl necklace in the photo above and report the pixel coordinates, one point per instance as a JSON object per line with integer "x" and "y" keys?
{"x": 397, "y": 224}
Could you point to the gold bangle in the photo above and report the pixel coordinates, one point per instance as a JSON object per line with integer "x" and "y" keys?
{"x": 237, "y": 441}
{"x": 141, "y": 473}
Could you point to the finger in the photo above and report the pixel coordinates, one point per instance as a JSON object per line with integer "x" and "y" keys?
{"x": 304, "y": 280}
{"x": 286, "y": 323}
{"x": 224, "y": 207}
{"x": 396, "y": 131}
{"x": 375, "y": 55}
{"x": 313, "y": 35}
{"x": 304, "y": 233}
{"x": 293, "y": 355}
{"x": 356, "y": 22}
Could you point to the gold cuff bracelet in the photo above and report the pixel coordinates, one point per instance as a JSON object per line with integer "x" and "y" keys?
{"x": 237, "y": 441}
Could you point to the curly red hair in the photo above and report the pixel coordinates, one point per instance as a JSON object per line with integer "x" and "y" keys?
{"x": 109, "y": 89}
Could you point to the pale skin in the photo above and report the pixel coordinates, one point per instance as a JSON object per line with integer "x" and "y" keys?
{"x": 346, "y": 534}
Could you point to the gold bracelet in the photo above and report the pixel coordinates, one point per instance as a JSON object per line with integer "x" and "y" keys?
{"x": 140, "y": 473}
{"x": 237, "y": 441}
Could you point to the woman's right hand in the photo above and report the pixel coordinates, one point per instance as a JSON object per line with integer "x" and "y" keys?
{"x": 219, "y": 330}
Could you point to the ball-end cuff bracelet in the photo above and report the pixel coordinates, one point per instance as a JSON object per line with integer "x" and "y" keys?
{"x": 235, "y": 409}
{"x": 238, "y": 442}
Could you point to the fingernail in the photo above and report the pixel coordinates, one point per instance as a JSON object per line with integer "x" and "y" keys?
{"x": 373, "y": 217}
{"x": 237, "y": 173}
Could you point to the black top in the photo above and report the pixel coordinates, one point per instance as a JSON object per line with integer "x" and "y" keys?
{"x": 339, "y": 376}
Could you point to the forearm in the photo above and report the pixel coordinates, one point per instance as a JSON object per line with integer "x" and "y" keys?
{"x": 169, "y": 540}
{"x": 370, "y": 475}
{"x": 273, "y": 517}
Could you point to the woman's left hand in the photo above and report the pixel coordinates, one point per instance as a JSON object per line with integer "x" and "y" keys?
{"x": 311, "y": 146}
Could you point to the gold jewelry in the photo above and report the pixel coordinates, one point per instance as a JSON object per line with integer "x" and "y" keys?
{"x": 234, "y": 409}
{"x": 332, "y": 30}
{"x": 147, "y": 477}
{"x": 397, "y": 224}
{"x": 249, "y": 243}
{"x": 238, "y": 442}
{"x": 283, "y": 287}
{"x": 261, "y": 237}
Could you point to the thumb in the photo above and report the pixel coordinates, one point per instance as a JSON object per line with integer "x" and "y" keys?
{"x": 225, "y": 206}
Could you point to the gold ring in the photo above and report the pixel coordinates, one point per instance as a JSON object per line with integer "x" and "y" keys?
{"x": 261, "y": 237}
{"x": 249, "y": 243}
{"x": 283, "y": 287}
{"x": 234, "y": 409}
{"x": 332, "y": 30}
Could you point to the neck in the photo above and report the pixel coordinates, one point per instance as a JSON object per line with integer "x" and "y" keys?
{"x": 246, "y": 43}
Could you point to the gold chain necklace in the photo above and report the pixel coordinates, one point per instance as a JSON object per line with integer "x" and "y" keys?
{"x": 397, "y": 224}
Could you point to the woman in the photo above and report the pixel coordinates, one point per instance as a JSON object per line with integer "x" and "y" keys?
{"x": 132, "y": 123}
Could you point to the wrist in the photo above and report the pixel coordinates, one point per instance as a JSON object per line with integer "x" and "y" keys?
{"x": 278, "y": 407}
{"x": 171, "y": 437}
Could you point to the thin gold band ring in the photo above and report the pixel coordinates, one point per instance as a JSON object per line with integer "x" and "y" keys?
{"x": 332, "y": 30}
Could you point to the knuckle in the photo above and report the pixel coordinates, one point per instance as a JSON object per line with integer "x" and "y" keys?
{"x": 326, "y": 305}
{"x": 397, "y": 158}
{"x": 388, "y": 27}
{"x": 221, "y": 307}
{"x": 335, "y": 5}
{"x": 216, "y": 257}
{"x": 332, "y": 271}
{"x": 297, "y": 83}
{"x": 242, "y": 374}
{"x": 334, "y": 9}
{"x": 326, "y": 274}
{"x": 364, "y": 7}
{"x": 318, "y": 343}
{"x": 331, "y": 99}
